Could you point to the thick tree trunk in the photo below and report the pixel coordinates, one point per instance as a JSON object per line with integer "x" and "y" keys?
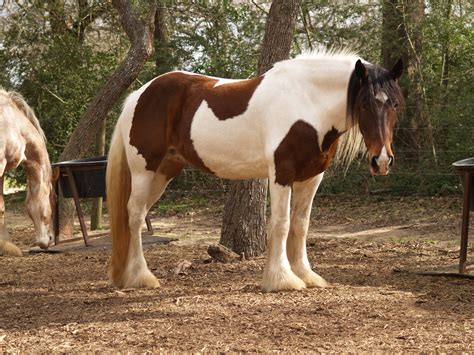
{"x": 394, "y": 38}
{"x": 137, "y": 20}
{"x": 402, "y": 38}
{"x": 163, "y": 50}
{"x": 244, "y": 220}
{"x": 139, "y": 28}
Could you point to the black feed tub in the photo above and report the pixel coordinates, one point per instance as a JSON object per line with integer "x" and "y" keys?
{"x": 466, "y": 167}
{"x": 82, "y": 178}
{"x": 89, "y": 177}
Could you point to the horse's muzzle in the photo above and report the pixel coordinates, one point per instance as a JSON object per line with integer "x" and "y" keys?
{"x": 380, "y": 166}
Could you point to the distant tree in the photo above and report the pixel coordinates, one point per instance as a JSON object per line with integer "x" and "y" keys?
{"x": 138, "y": 22}
{"x": 244, "y": 220}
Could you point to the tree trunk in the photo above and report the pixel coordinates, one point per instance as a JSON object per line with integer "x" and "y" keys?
{"x": 394, "y": 38}
{"x": 137, "y": 19}
{"x": 244, "y": 220}
{"x": 163, "y": 51}
{"x": 96, "y": 209}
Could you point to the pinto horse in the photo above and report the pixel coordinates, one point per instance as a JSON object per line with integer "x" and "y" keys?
{"x": 22, "y": 141}
{"x": 284, "y": 125}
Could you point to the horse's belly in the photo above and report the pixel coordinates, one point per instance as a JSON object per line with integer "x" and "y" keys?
{"x": 231, "y": 161}
{"x": 230, "y": 148}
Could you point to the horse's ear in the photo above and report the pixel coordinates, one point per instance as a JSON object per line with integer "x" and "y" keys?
{"x": 397, "y": 70}
{"x": 360, "y": 70}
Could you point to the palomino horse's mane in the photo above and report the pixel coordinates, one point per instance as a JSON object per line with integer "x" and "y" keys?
{"x": 21, "y": 104}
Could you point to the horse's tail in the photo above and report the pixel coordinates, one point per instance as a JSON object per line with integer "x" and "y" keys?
{"x": 118, "y": 193}
{"x": 9, "y": 249}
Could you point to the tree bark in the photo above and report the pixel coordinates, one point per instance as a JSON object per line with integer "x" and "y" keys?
{"x": 244, "y": 220}
{"x": 394, "y": 38}
{"x": 163, "y": 50}
{"x": 137, "y": 20}
{"x": 139, "y": 28}
{"x": 96, "y": 208}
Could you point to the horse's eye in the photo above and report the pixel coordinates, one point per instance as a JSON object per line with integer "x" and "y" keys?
{"x": 395, "y": 105}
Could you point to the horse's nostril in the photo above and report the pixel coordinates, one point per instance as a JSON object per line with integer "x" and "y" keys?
{"x": 374, "y": 162}
{"x": 390, "y": 161}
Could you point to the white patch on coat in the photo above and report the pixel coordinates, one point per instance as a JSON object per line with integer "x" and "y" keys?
{"x": 383, "y": 159}
{"x": 242, "y": 147}
{"x": 381, "y": 96}
{"x": 136, "y": 161}
{"x": 222, "y": 81}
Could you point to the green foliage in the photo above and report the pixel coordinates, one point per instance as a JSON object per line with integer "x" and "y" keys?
{"x": 56, "y": 70}
{"x": 217, "y": 38}
{"x": 58, "y": 54}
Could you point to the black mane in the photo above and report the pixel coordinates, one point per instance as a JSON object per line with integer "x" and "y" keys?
{"x": 364, "y": 91}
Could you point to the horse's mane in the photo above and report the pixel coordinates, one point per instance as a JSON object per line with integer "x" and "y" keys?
{"x": 351, "y": 144}
{"x": 322, "y": 51}
{"x": 21, "y": 104}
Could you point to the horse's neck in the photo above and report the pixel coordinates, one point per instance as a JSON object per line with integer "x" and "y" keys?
{"x": 325, "y": 82}
{"x": 37, "y": 164}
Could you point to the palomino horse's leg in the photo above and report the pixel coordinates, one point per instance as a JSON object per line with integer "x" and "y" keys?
{"x": 3, "y": 231}
{"x": 278, "y": 274}
{"x": 2, "y": 202}
{"x": 303, "y": 194}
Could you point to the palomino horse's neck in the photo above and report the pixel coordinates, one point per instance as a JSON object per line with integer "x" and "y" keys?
{"x": 37, "y": 166}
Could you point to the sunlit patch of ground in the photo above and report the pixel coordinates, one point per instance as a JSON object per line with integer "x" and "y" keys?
{"x": 62, "y": 302}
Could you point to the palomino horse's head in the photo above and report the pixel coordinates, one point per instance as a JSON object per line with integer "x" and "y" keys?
{"x": 40, "y": 202}
{"x": 374, "y": 97}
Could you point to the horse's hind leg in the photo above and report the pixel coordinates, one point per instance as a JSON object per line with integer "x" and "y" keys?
{"x": 278, "y": 274}
{"x": 303, "y": 194}
{"x": 146, "y": 189}
{"x": 136, "y": 273}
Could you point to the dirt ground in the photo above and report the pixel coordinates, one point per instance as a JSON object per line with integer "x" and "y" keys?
{"x": 366, "y": 248}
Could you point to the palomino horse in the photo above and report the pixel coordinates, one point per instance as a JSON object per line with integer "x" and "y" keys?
{"x": 22, "y": 141}
{"x": 283, "y": 125}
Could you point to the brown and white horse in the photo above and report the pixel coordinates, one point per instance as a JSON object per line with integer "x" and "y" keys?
{"x": 283, "y": 125}
{"x": 22, "y": 141}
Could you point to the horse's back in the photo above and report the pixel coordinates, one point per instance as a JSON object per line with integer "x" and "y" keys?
{"x": 210, "y": 122}
{"x": 12, "y": 145}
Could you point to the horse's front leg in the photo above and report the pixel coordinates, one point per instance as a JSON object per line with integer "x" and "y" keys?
{"x": 278, "y": 274}
{"x": 3, "y": 230}
{"x": 6, "y": 247}
{"x": 301, "y": 210}
{"x": 2, "y": 202}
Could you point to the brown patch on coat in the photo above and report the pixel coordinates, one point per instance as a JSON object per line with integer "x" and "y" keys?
{"x": 231, "y": 99}
{"x": 298, "y": 157}
{"x": 165, "y": 110}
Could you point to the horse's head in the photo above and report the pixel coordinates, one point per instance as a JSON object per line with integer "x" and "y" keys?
{"x": 374, "y": 99}
{"x": 40, "y": 201}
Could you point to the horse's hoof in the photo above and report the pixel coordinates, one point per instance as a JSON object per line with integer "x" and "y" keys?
{"x": 9, "y": 249}
{"x": 312, "y": 279}
{"x": 144, "y": 280}
{"x": 281, "y": 282}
